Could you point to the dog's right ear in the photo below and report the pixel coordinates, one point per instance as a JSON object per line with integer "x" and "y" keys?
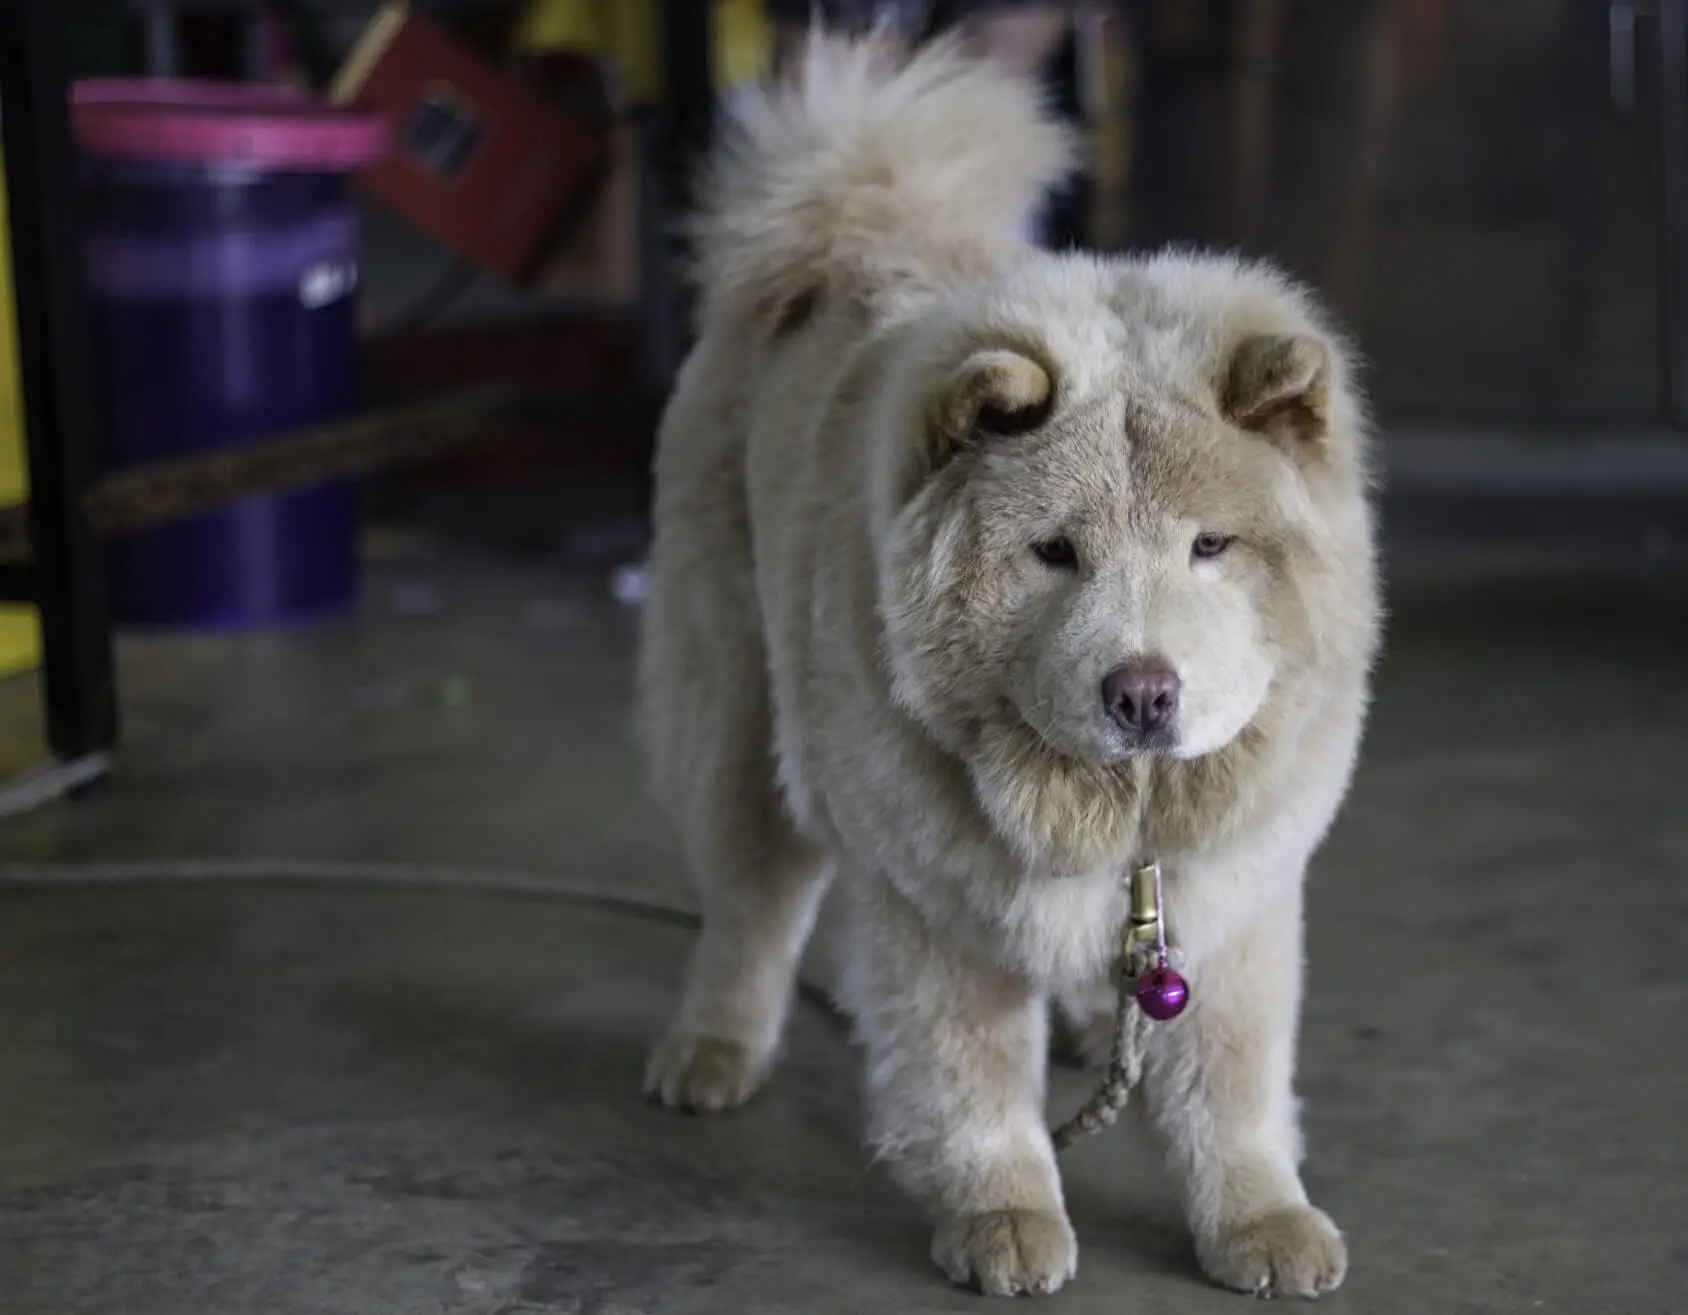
{"x": 1279, "y": 386}
{"x": 996, "y": 393}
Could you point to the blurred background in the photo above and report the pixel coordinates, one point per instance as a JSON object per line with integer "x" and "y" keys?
{"x": 333, "y": 341}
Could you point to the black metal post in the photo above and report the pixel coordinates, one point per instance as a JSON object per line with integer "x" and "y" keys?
{"x": 1673, "y": 144}
{"x": 688, "y": 68}
{"x": 60, "y": 415}
{"x": 680, "y": 129}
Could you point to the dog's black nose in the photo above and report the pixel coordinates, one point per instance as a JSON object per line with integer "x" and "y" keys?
{"x": 1142, "y": 696}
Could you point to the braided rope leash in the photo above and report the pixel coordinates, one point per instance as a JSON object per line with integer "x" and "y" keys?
{"x": 1150, "y": 991}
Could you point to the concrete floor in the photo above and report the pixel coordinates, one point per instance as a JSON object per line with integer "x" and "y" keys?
{"x": 318, "y": 1102}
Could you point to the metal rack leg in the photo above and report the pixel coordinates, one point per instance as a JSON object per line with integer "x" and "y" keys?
{"x": 680, "y": 132}
{"x": 68, "y": 574}
{"x": 1672, "y": 28}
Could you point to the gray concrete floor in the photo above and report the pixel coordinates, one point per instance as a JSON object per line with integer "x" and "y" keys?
{"x": 318, "y": 1102}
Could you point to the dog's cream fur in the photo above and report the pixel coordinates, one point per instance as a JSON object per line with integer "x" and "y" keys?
{"x": 856, "y": 672}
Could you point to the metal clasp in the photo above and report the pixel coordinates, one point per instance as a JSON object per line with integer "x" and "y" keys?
{"x": 1143, "y": 941}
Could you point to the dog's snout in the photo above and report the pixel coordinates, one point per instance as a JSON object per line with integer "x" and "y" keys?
{"x": 1142, "y": 696}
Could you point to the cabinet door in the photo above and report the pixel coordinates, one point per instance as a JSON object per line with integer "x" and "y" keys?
{"x": 1478, "y": 188}
{"x": 1516, "y": 272}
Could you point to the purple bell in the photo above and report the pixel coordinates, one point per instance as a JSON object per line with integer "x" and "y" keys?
{"x": 1162, "y": 993}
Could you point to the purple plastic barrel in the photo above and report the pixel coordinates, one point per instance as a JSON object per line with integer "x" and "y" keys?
{"x": 221, "y": 249}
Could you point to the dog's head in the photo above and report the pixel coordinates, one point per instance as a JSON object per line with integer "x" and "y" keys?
{"x": 1125, "y": 519}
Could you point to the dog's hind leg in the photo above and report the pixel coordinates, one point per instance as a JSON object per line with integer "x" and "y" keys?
{"x": 759, "y": 903}
{"x": 707, "y": 725}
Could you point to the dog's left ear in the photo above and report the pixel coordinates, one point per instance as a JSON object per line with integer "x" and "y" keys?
{"x": 995, "y": 393}
{"x": 1279, "y": 386}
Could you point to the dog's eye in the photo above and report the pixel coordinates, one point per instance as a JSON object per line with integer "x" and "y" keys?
{"x": 1208, "y": 546}
{"x": 1058, "y": 552}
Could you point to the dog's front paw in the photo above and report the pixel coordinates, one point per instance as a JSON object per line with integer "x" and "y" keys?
{"x": 702, "y": 1074}
{"x": 1005, "y": 1253}
{"x": 1294, "y": 1251}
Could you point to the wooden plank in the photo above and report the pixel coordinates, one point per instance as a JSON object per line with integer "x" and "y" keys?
{"x": 151, "y": 494}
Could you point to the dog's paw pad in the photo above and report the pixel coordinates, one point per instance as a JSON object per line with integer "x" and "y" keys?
{"x": 702, "y": 1074}
{"x": 1292, "y": 1252}
{"x": 1007, "y": 1253}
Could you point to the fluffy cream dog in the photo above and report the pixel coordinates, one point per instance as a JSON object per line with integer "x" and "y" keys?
{"x": 981, "y": 574}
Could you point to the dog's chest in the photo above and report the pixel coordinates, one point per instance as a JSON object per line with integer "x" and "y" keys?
{"x": 1063, "y": 931}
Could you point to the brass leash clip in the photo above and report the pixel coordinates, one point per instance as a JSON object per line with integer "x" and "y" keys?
{"x": 1143, "y": 943}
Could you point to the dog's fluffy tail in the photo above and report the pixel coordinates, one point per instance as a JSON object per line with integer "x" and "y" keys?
{"x": 867, "y": 175}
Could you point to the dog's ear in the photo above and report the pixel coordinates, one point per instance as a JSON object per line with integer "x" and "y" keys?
{"x": 1279, "y": 386}
{"x": 996, "y": 393}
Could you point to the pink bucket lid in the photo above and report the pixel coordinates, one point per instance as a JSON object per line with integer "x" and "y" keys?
{"x": 182, "y": 122}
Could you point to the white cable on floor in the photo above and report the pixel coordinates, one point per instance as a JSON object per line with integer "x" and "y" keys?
{"x": 399, "y": 877}
{"x": 45, "y": 784}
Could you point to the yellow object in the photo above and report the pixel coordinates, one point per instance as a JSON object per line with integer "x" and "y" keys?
{"x": 624, "y": 34}
{"x": 20, "y": 631}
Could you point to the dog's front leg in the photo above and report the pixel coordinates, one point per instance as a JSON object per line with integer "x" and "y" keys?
{"x": 1219, "y": 1087}
{"x": 956, "y": 1054}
